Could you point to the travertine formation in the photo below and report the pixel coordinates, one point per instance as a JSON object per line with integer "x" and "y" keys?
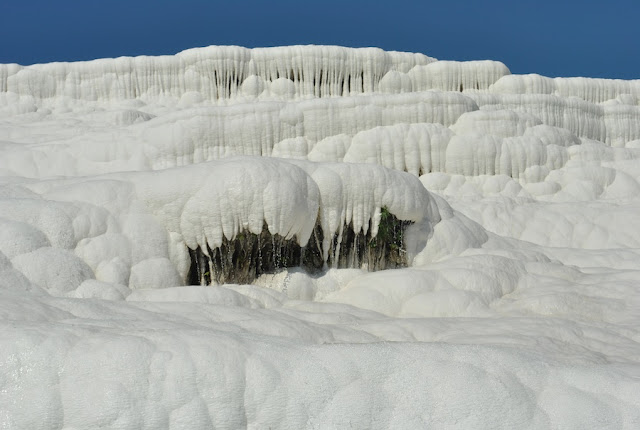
{"x": 293, "y": 178}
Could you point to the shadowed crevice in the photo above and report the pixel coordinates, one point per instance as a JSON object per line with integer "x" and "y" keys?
{"x": 249, "y": 255}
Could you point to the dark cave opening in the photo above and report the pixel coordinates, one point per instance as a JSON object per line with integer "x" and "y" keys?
{"x": 249, "y": 255}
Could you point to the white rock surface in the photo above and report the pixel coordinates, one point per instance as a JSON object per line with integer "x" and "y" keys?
{"x": 520, "y": 309}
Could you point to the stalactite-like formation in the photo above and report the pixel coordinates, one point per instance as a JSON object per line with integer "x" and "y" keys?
{"x": 244, "y": 258}
{"x": 216, "y": 72}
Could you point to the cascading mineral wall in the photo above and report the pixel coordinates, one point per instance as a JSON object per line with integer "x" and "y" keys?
{"x": 336, "y": 114}
{"x": 248, "y": 255}
{"x": 219, "y": 72}
{"x": 513, "y": 200}
{"x": 258, "y": 214}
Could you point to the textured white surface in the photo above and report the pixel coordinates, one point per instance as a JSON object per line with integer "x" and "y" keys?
{"x": 521, "y": 308}
{"x": 215, "y": 72}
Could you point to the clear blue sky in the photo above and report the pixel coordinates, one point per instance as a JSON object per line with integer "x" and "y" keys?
{"x": 550, "y": 37}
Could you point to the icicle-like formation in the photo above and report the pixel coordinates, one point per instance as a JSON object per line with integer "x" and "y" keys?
{"x": 505, "y": 142}
{"x": 353, "y": 195}
{"x": 608, "y": 123}
{"x": 383, "y": 248}
{"x": 589, "y": 89}
{"x": 457, "y": 75}
{"x": 444, "y": 75}
{"x": 578, "y": 116}
{"x": 209, "y": 133}
{"x": 474, "y": 155}
{"x": 496, "y": 142}
{"x": 414, "y": 148}
{"x": 216, "y": 72}
{"x": 242, "y": 259}
{"x": 247, "y": 256}
{"x": 622, "y": 123}
{"x": 210, "y": 204}
{"x": 417, "y": 151}
{"x": 212, "y": 133}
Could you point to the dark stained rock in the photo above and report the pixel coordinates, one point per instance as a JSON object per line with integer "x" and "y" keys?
{"x": 247, "y": 256}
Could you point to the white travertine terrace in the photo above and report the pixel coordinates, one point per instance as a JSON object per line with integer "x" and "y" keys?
{"x": 457, "y": 75}
{"x": 241, "y": 194}
{"x": 216, "y": 72}
{"x": 588, "y": 89}
{"x": 519, "y": 309}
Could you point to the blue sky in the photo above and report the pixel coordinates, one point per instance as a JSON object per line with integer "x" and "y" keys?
{"x": 553, "y": 38}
